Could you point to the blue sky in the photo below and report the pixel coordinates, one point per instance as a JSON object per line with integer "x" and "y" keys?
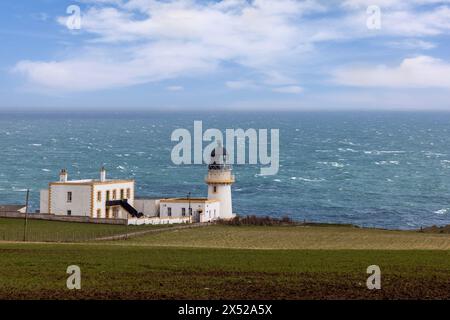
{"x": 231, "y": 54}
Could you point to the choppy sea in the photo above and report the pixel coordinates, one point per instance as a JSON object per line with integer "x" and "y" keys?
{"x": 372, "y": 169}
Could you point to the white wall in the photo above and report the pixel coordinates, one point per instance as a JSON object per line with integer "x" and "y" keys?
{"x": 221, "y": 180}
{"x": 203, "y": 210}
{"x": 43, "y": 208}
{"x": 81, "y": 200}
{"x": 149, "y": 207}
{"x": 103, "y": 188}
{"x": 156, "y": 221}
{"x": 212, "y": 212}
{"x": 223, "y": 194}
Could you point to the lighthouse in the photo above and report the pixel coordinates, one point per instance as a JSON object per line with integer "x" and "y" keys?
{"x": 219, "y": 180}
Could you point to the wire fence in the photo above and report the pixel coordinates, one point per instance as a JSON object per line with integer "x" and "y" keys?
{"x": 60, "y": 236}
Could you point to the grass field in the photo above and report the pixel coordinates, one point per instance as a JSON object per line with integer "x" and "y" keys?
{"x": 55, "y": 231}
{"x": 291, "y": 237}
{"x": 224, "y": 262}
{"x": 31, "y": 271}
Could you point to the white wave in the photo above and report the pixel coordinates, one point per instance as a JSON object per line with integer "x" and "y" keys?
{"x": 349, "y": 143}
{"x": 442, "y": 211}
{"x": 433, "y": 154}
{"x": 36, "y": 145}
{"x": 381, "y": 163}
{"x": 260, "y": 175}
{"x": 277, "y": 180}
{"x": 445, "y": 163}
{"x": 378, "y": 152}
{"x": 333, "y": 164}
{"x": 347, "y": 150}
{"x": 310, "y": 180}
{"x": 46, "y": 170}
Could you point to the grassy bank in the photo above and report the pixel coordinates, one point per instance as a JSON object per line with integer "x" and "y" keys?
{"x": 32, "y": 271}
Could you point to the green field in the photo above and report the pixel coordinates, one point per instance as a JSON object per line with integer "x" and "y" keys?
{"x": 225, "y": 262}
{"x": 55, "y": 231}
{"x": 292, "y": 237}
{"x": 30, "y": 271}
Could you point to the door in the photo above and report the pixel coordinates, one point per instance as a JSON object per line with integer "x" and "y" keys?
{"x": 196, "y": 217}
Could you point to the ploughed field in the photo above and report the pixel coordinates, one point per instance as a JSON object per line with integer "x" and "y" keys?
{"x": 227, "y": 262}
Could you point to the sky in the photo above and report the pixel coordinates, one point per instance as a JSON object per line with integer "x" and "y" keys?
{"x": 225, "y": 55}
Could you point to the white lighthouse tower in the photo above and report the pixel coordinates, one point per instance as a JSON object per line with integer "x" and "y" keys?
{"x": 219, "y": 180}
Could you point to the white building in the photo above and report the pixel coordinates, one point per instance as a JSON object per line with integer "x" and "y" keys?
{"x": 101, "y": 198}
{"x": 218, "y": 204}
{"x": 191, "y": 209}
{"x": 219, "y": 180}
{"x": 115, "y": 199}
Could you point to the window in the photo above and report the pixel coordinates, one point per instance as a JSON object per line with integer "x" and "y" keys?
{"x": 122, "y": 194}
{"x": 215, "y": 189}
{"x": 69, "y": 196}
{"x": 99, "y": 196}
{"x": 183, "y": 212}
{"x": 108, "y": 213}
{"x": 190, "y": 211}
{"x": 69, "y": 212}
{"x": 99, "y": 213}
{"x": 169, "y": 212}
{"x": 108, "y": 195}
{"x": 128, "y": 193}
{"x": 114, "y": 194}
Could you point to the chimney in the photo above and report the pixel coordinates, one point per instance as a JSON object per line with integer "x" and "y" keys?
{"x": 103, "y": 174}
{"x": 63, "y": 176}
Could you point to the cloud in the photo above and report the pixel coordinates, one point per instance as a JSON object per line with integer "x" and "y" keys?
{"x": 390, "y": 4}
{"x": 411, "y": 44}
{"x": 175, "y": 88}
{"x": 133, "y": 42}
{"x": 417, "y": 72}
{"x": 95, "y": 71}
{"x": 289, "y": 89}
{"x": 241, "y": 84}
{"x": 173, "y": 39}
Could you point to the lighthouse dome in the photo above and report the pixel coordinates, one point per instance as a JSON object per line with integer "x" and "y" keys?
{"x": 222, "y": 151}
{"x": 219, "y": 158}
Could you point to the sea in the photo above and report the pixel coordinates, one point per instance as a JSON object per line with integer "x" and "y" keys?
{"x": 372, "y": 169}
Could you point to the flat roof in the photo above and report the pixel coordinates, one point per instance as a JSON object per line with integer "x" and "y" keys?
{"x": 151, "y": 198}
{"x": 11, "y": 207}
{"x": 91, "y": 182}
{"x": 183, "y": 200}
